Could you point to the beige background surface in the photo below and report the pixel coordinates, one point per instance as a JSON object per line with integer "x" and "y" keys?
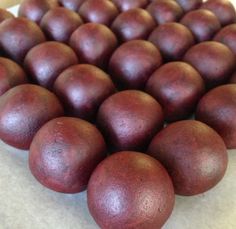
{"x": 8, "y": 3}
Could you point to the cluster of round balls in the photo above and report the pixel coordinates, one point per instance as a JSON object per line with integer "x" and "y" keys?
{"x": 84, "y": 79}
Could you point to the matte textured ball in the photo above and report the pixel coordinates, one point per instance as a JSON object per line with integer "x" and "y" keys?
{"x": 129, "y": 119}
{"x": 177, "y": 86}
{"x": 46, "y": 61}
{"x": 23, "y": 110}
{"x": 72, "y": 4}
{"x": 82, "y": 88}
{"x": 189, "y": 5}
{"x": 64, "y": 153}
{"x": 4, "y": 14}
{"x": 130, "y": 190}
{"x": 132, "y": 64}
{"x": 125, "y": 5}
{"x": 194, "y": 155}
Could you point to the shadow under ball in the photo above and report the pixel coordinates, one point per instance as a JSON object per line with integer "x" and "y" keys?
{"x": 23, "y": 110}
{"x": 233, "y": 78}
{"x": 64, "y": 153}
{"x": 124, "y": 5}
{"x": 130, "y": 190}
{"x": 189, "y": 5}
{"x": 71, "y": 4}
{"x": 4, "y": 14}
{"x": 46, "y": 61}
{"x": 194, "y": 155}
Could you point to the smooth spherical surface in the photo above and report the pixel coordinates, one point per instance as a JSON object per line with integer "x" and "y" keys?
{"x": 25, "y": 34}
{"x": 133, "y": 24}
{"x": 202, "y": 23}
{"x": 194, "y": 155}
{"x": 23, "y": 110}
{"x": 99, "y": 11}
{"x": 64, "y": 153}
{"x": 218, "y": 109}
{"x": 173, "y": 40}
{"x": 213, "y": 60}
{"x": 4, "y": 14}
{"x": 133, "y": 63}
{"x": 11, "y": 74}
{"x": 72, "y": 4}
{"x": 82, "y": 88}
{"x": 188, "y": 5}
{"x": 129, "y": 119}
{"x": 177, "y": 86}
{"x": 130, "y": 190}
{"x": 46, "y": 61}
{"x": 58, "y": 24}
{"x": 94, "y": 44}
{"x": 125, "y": 5}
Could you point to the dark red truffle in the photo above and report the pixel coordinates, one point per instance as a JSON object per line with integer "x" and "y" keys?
{"x": 4, "y": 14}
{"x": 188, "y": 5}
{"x": 64, "y": 153}
{"x": 194, "y": 155}
{"x": 72, "y": 4}
{"x": 125, "y": 5}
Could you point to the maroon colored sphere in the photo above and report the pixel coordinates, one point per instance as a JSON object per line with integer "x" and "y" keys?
{"x": 129, "y": 119}
{"x": 25, "y": 33}
{"x": 82, "y": 88}
{"x": 233, "y": 78}
{"x": 72, "y": 4}
{"x": 11, "y": 74}
{"x": 23, "y": 110}
{"x": 130, "y": 190}
{"x": 194, "y": 155}
{"x": 4, "y": 14}
{"x": 177, "y": 86}
{"x": 173, "y": 40}
{"x": 64, "y": 153}
{"x": 124, "y": 5}
{"x": 94, "y": 44}
{"x": 133, "y": 24}
{"x": 46, "y": 61}
{"x": 202, "y": 23}
{"x": 218, "y": 109}
{"x": 213, "y": 60}
{"x": 133, "y": 63}
{"x": 58, "y": 24}
{"x": 189, "y": 5}
{"x": 99, "y": 11}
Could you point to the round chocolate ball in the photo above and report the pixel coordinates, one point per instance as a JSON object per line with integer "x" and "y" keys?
{"x": 165, "y": 11}
{"x": 202, "y": 23}
{"x": 18, "y": 36}
{"x": 130, "y": 190}
{"x": 58, "y": 24}
{"x": 194, "y": 155}
{"x": 64, "y": 153}
{"x": 82, "y": 88}
{"x": 129, "y": 119}
{"x": 133, "y": 63}
{"x": 133, "y": 24}
{"x": 4, "y": 14}
{"x": 173, "y": 40}
{"x": 177, "y": 86}
{"x": 94, "y": 44}
{"x": 46, "y": 61}
{"x": 11, "y": 74}
{"x": 35, "y": 9}
{"x": 214, "y": 61}
{"x": 23, "y": 110}
{"x": 217, "y": 109}
{"x": 71, "y": 4}
{"x": 99, "y": 11}
{"x": 189, "y": 5}
{"x": 124, "y": 5}
{"x": 223, "y": 9}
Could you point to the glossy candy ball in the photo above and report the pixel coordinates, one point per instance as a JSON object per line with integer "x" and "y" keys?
{"x": 189, "y": 5}
{"x": 124, "y": 5}
{"x": 72, "y": 4}
{"x": 4, "y": 14}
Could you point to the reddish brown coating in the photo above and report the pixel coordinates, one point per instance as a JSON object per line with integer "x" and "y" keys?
{"x": 233, "y": 78}
{"x": 214, "y": 61}
{"x": 165, "y": 11}
{"x": 173, "y": 40}
{"x": 64, "y": 153}
{"x": 99, "y": 11}
{"x": 223, "y": 9}
{"x": 23, "y": 110}
{"x": 133, "y": 63}
{"x": 11, "y": 74}
{"x": 35, "y": 9}
{"x": 4, "y": 14}
{"x": 202, "y": 23}
{"x": 129, "y": 119}
{"x": 133, "y": 24}
{"x": 194, "y": 155}
{"x": 125, "y": 5}
{"x": 188, "y": 5}
{"x": 82, "y": 88}
{"x": 25, "y": 34}
{"x": 227, "y": 36}
{"x": 46, "y": 61}
{"x": 58, "y": 24}
{"x": 130, "y": 190}
{"x": 71, "y": 4}
{"x": 177, "y": 86}
{"x": 218, "y": 109}
{"x": 94, "y": 44}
